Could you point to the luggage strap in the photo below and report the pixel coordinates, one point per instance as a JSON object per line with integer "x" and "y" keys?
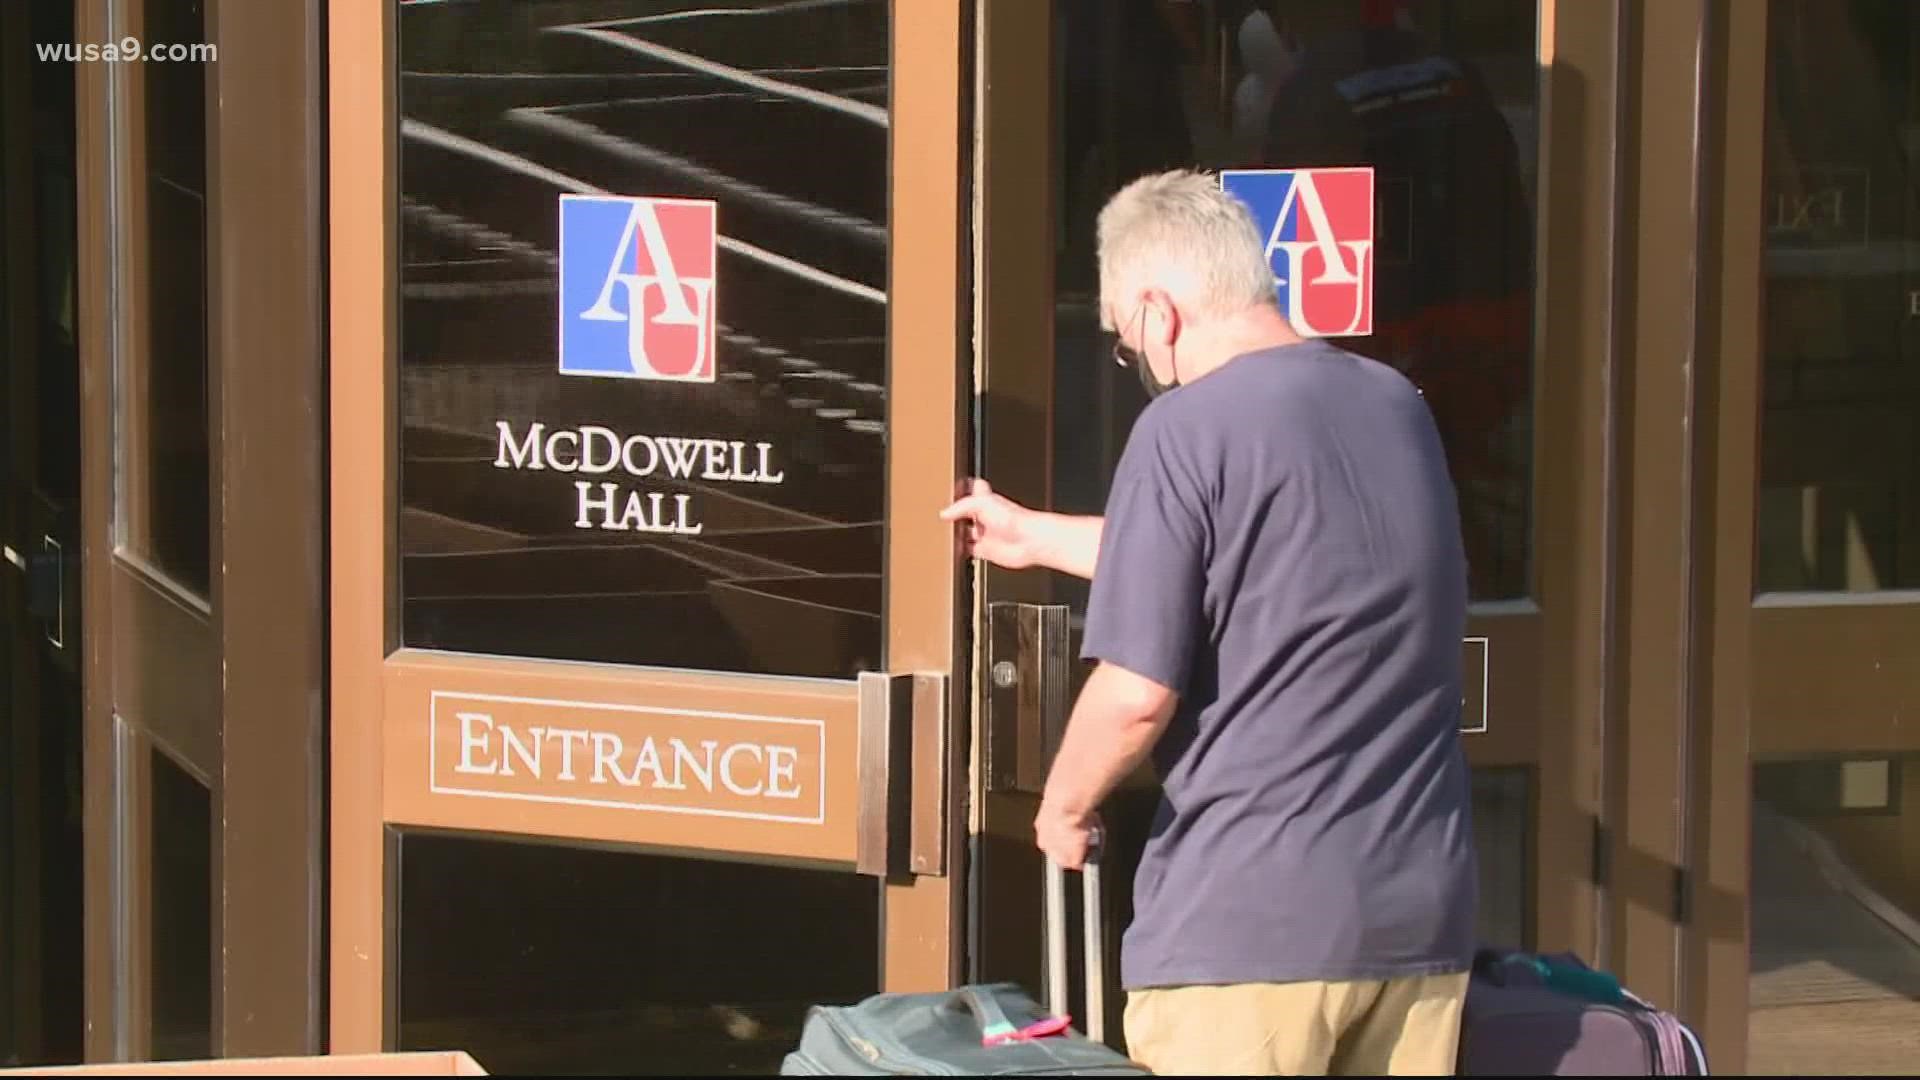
{"x": 1004, "y": 1033}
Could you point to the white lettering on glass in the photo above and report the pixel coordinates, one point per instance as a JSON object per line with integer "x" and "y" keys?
{"x": 598, "y": 450}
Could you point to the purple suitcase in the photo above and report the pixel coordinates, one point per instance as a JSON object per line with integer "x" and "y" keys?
{"x": 1516, "y": 1024}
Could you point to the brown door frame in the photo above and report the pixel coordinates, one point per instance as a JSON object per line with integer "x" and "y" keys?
{"x": 163, "y": 668}
{"x": 1692, "y": 683}
{"x": 1551, "y": 653}
{"x": 377, "y": 685}
{"x": 1716, "y": 956}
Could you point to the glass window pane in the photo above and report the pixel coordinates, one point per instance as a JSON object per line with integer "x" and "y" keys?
{"x": 1503, "y": 833}
{"x": 182, "y": 913}
{"x": 1238, "y": 84}
{"x": 1839, "y": 500}
{"x": 645, "y": 432}
{"x": 542, "y": 959}
{"x": 1835, "y": 980}
{"x": 163, "y": 398}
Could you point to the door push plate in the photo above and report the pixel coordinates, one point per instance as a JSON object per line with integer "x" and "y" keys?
{"x": 901, "y": 824}
{"x": 1028, "y": 678}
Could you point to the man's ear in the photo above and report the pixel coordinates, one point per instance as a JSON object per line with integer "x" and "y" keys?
{"x": 1166, "y": 325}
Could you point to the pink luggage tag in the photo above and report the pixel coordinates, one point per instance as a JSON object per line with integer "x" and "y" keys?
{"x": 1039, "y": 1029}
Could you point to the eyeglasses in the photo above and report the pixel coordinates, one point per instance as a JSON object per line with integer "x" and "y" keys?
{"x": 1124, "y": 354}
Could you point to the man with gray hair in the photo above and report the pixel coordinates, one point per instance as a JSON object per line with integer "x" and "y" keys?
{"x": 1278, "y": 601}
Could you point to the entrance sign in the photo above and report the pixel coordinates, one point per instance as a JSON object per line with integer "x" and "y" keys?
{"x": 628, "y": 757}
{"x": 1319, "y": 231}
{"x": 670, "y": 761}
{"x": 637, "y": 287}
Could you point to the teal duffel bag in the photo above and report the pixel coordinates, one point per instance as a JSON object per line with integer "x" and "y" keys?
{"x": 988, "y": 1029}
{"x": 993, "y": 1029}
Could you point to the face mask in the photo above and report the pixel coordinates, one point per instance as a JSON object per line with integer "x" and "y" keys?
{"x": 1148, "y": 380}
{"x": 1138, "y": 361}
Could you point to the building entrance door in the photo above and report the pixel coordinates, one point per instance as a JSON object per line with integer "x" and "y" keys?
{"x": 198, "y": 516}
{"x": 647, "y": 324}
{"x": 1446, "y": 105}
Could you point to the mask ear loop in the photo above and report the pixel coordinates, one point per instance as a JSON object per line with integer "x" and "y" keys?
{"x": 1150, "y": 382}
{"x": 1120, "y": 349}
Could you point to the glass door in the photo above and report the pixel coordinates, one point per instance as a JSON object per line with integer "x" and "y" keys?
{"x": 1445, "y": 104}
{"x": 1834, "y": 985}
{"x": 646, "y": 331}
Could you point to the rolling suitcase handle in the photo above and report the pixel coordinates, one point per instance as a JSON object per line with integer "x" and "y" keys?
{"x": 1056, "y": 938}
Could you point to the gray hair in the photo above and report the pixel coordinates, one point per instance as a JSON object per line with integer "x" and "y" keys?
{"x": 1180, "y": 232}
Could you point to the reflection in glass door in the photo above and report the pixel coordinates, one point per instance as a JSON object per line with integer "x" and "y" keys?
{"x": 1835, "y": 978}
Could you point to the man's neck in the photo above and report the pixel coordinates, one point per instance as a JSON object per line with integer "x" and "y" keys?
{"x": 1214, "y": 344}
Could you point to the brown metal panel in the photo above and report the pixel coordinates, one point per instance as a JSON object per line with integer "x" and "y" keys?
{"x": 360, "y": 481}
{"x": 1716, "y": 959}
{"x": 1647, "y": 779}
{"x": 1850, "y": 665}
{"x": 1014, "y": 265}
{"x": 126, "y": 319}
{"x": 1013, "y": 282}
{"x": 268, "y": 261}
{"x": 927, "y": 327}
{"x": 934, "y": 767}
{"x": 96, "y": 485}
{"x": 166, "y": 666}
{"x": 1543, "y": 662}
{"x": 208, "y": 725}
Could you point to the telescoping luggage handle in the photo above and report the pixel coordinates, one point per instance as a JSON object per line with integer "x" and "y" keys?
{"x": 1056, "y": 938}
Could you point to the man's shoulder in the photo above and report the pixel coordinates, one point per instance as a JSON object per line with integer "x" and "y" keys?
{"x": 1256, "y": 388}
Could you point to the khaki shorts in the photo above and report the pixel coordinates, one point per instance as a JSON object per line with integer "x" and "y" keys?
{"x": 1396, "y": 1027}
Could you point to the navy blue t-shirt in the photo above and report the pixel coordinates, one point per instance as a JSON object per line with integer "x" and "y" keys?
{"x": 1282, "y": 548}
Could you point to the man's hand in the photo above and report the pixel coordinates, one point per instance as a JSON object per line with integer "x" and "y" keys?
{"x": 1066, "y": 838}
{"x": 1009, "y": 535}
{"x": 998, "y": 530}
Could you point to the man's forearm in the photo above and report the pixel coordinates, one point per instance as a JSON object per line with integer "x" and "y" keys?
{"x": 1069, "y": 543}
{"x": 1108, "y": 736}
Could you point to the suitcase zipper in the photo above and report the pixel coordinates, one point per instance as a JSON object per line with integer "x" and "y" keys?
{"x": 871, "y": 1051}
